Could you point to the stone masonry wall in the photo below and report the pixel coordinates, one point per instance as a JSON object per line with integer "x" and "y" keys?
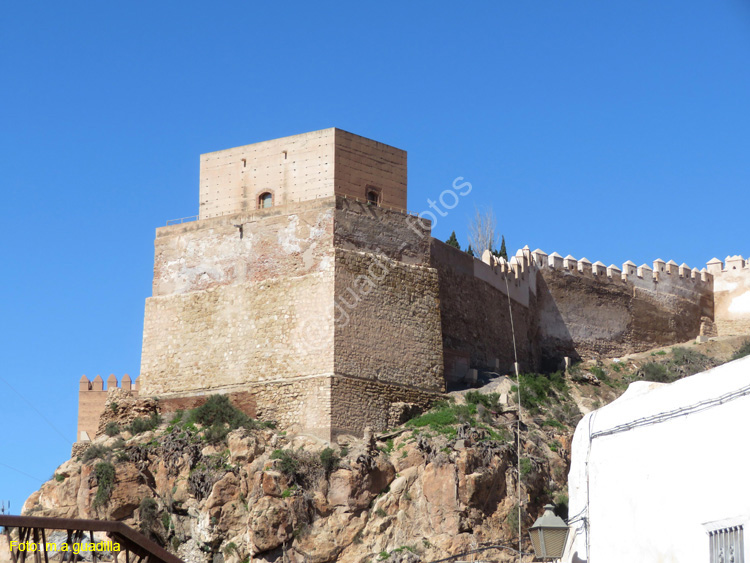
{"x": 359, "y": 403}
{"x": 233, "y": 307}
{"x": 732, "y": 296}
{"x": 279, "y": 242}
{"x": 387, "y": 321}
{"x": 587, "y": 315}
{"x": 476, "y": 325}
{"x": 386, "y": 306}
{"x": 227, "y": 337}
{"x": 298, "y": 405}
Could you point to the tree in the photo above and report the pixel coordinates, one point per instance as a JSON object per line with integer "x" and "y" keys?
{"x": 502, "y": 253}
{"x": 453, "y": 241}
{"x": 469, "y": 251}
{"x": 483, "y": 231}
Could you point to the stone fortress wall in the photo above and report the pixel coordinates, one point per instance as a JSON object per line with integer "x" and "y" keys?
{"x": 91, "y": 398}
{"x": 476, "y": 300}
{"x": 323, "y": 310}
{"x": 589, "y": 310}
{"x": 731, "y": 294}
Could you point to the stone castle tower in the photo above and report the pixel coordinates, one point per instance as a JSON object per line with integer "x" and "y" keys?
{"x": 307, "y": 293}
{"x": 300, "y": 289}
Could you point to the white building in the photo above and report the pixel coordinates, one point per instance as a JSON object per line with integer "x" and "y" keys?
{"x": 662, "y": 474}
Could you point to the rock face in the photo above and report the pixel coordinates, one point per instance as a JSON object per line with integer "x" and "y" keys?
{"x": 255, "y": 493}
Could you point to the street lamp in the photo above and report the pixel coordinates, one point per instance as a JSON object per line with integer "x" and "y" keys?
{"x": 548, "y": 534}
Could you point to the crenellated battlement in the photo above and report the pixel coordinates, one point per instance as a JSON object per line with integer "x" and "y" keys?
{"x": 733, "y": 263}
{"x": 92, "y": 394}
{"x": 731, "y": 294}
{"x": 659, "y": 271}
{"x": 97, "y": 384}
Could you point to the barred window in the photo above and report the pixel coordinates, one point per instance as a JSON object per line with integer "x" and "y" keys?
{"x": 727, "y": 545}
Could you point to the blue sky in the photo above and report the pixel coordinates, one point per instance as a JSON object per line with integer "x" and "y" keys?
{"x": 612, "y": 130}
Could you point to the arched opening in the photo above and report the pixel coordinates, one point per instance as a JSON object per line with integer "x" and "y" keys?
{"x": 373, "y": 197}
{"x": 265, "y": 200}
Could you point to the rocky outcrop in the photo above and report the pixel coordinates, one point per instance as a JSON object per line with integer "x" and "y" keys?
{"x": 415, "y": 494}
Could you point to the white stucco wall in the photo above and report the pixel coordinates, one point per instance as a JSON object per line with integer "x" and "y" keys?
{"x": 644, "y": 493}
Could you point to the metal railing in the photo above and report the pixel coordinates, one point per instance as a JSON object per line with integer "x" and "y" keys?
{"x": 182, "y": 220}
{"x": 33, "y": 533}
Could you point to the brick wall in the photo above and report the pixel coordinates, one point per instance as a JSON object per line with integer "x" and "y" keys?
{"x": 91, "y": 398}
{"x": 299, "y": 168}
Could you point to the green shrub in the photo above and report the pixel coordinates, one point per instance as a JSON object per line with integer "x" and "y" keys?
{"x": 444, "y": 417}
{"x": 489, "y": 401}
{"x": 554, "y": 423}
{"x": 539, "y": 389}
{"x": 655, "y": 372}
{"x": 144, "y": 424}
{"x": 388, "y": 446}
{"x": 525, "y": 466}
{"x": 112, "y": 429}
{"x": 512, "y": 519}
{"x": 330, "y": 460}
{"x": 147, "y": 512}
{"x": 216, "y": 433}
{"x": 218, "y": 410}
{"x": 95, "y": 451}
{"x": 59, "y": 477}
{"x": 230, "y": 549}
{"x": 691, "y": 361}
{"x": 105, "y": 479}
{"x": 381, "y": 513}
{"x": 304, "y": 468}
{"x": 742, "y": 352}
{"x": 561, "y": 505}
{"x": 286, "y": 493}
{"x": 219, "y": 417}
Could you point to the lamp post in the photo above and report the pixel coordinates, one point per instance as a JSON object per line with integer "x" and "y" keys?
{"x": 548, "y": 534}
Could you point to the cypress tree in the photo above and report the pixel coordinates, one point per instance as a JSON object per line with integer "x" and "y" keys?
{"x": 453, "y": 241}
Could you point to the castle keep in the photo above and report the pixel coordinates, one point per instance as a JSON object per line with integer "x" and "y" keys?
{"x": 304, "y": 292}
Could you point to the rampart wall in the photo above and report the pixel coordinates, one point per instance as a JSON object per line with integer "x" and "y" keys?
{"x": 591, "y": 309}
{"x": 387, "y": 344}
{"x": 731, "y": 295}
{"x": 91, "y": 398}
{"x": 475, "y": 314}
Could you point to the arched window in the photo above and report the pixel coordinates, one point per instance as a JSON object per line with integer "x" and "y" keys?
{"x": 265, "y": 200}
{"x": 373, "y": 197}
